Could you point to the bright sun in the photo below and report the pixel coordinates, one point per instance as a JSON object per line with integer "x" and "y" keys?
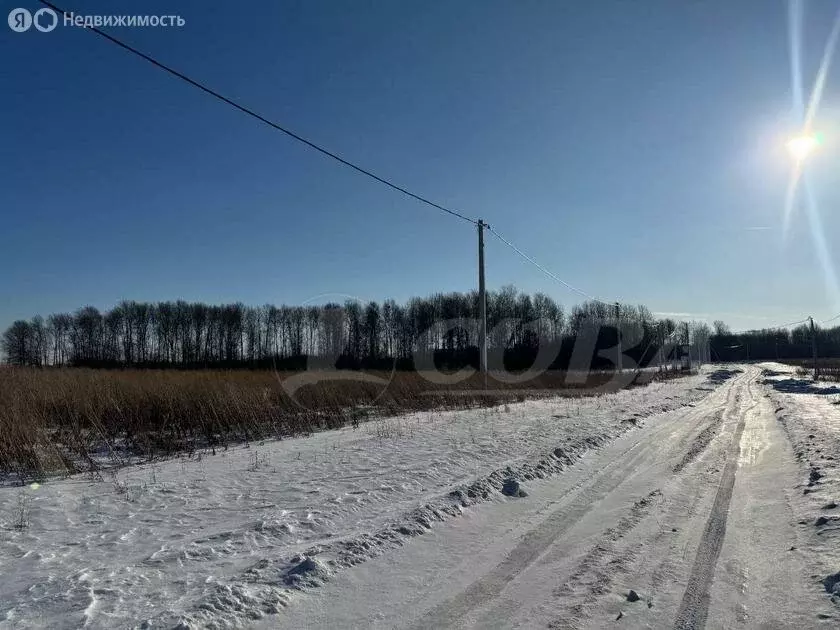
{"x": 801, "y": 147}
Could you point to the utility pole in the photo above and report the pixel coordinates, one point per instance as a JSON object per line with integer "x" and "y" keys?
{"x": 618, "y": 337}
{"x": 661, "y": 342}
{"x": 814, "y": 348}
{"x": 482, "y": 304}
{"x": 688, "y": 343}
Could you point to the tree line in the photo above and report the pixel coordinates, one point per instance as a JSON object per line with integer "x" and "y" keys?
{"x": 350, "y": 335}
{"x": 773, "y": 344}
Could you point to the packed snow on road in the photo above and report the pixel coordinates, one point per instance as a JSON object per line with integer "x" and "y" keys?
{"x": 706, "y": 501}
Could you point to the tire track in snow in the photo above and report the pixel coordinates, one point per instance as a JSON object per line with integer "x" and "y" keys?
{"x": 532, "y": 545}
{"x": 536, "y": 541}
{"x": 596, "y": 572}
{"x": 604, "y": 574}
{"x": 701, "y": 442}
{"x": 694, "y": 607}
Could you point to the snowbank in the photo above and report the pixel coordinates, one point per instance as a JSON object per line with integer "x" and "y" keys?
{"x": 810, "y": 414}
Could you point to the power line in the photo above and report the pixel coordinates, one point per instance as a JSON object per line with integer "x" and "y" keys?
{"x": 566, "y": 284}
{"x": 342, "y": 160}
{"x": 263, "y": 119}
{"x": 830, "y": 319}
{"x": 801, "y": 321}
{"x": 543, "y": 269}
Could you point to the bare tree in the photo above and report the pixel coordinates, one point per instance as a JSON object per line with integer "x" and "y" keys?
{"x": 18, "y": 343}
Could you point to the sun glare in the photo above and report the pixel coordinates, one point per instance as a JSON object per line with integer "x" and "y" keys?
{"x": 800, "y": 147}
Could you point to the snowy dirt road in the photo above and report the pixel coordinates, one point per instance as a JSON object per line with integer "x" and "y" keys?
{"x": 698, "y": 511}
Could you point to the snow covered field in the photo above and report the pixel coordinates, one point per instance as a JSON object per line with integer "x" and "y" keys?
{"x": 711, "y": 497}
{"x": 810, "y": 414}
{"x": 226, "y": 539}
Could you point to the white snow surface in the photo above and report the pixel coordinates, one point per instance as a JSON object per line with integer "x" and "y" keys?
{"x": 699, "y": 512}
{"x": 224, "y": 540}
{"x": 809, "y": 411}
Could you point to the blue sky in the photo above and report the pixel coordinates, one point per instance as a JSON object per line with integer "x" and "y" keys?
{"x": 634, "y": 148}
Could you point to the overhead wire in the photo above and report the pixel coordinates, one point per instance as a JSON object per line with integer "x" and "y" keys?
{"x": 263, "y": 119}
{"x": 779, "y": 327}
{"x": 274, "y": 125}
{"x": 594, "y": 299}
{"x": 250, "y": 112}
{"x": 547, "y": 272}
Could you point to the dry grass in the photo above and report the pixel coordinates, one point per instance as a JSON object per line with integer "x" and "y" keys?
{"x": 829, "y": 368}
{"x": 72, "y": 420}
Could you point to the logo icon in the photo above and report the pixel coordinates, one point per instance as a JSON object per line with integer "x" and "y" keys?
{"x": 45, "y": 20}
{"x": 21, "y": 19}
